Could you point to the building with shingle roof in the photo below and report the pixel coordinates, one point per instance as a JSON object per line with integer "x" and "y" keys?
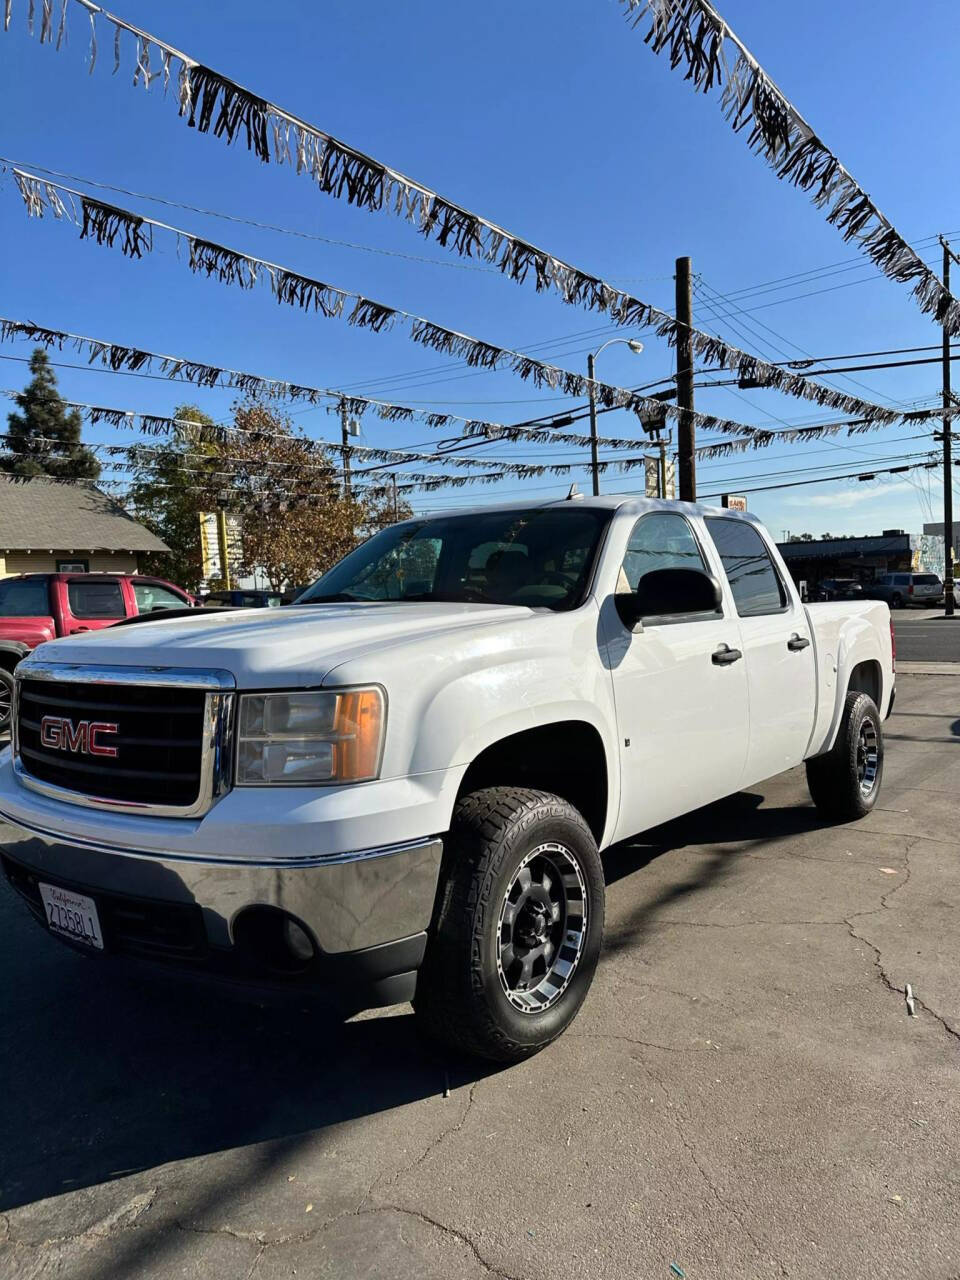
{"x": 46, "y": 527}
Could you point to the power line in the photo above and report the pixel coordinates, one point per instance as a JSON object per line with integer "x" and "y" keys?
{"x": 252, "y": 222}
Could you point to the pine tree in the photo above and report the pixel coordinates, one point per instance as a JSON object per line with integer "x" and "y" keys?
{"x": 43, "y": 439}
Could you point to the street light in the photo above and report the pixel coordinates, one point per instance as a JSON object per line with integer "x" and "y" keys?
{"x": 636, "y": 347}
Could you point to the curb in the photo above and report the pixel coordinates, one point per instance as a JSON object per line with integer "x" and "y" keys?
{"x": 928, "y": 668}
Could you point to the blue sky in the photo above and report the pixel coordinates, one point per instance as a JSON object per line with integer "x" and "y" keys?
{"x": 552, "y": 119}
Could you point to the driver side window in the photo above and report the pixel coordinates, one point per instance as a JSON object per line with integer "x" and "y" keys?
{"x": 660, "y": 540}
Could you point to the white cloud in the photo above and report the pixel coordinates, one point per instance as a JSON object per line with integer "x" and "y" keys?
{"x": 841, "y": 498}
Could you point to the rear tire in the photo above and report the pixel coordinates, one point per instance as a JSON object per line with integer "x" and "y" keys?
{"x": 6, "y": 697}
{"x": 844, "y": 783}
{"x": 896, "y": 601}
{"x": 518, "y": 925}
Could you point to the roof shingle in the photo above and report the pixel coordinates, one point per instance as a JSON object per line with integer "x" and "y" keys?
{"x": 39, "y": 514}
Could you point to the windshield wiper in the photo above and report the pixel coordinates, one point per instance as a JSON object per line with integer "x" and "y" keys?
{"x": 340, "y": 597}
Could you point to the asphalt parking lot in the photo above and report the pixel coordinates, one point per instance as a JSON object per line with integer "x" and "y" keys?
{"x": 744, "y": 1094}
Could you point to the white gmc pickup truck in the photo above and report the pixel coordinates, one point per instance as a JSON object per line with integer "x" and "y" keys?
{"x": 398, "y": 787}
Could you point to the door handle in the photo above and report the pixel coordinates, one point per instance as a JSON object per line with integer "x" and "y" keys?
{"x": 796, "y": 643}
{"x": 723, "y": 656}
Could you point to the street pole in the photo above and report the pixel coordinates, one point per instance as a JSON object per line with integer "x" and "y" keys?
{"x": 662, "y": 472}
{"x": 948, "y": 601}
{"x": 345, "y": 436}
{"x": 686, "y": 443}
{"x": 594, "y": 457}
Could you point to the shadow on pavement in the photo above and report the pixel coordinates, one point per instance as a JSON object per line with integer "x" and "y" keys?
{"x": 737, "y": 819}
{"x": 103, "y": 1077}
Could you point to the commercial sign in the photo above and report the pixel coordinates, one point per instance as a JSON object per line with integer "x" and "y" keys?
{"x": 210, "y": 544}
{"x": 733, "y": 501}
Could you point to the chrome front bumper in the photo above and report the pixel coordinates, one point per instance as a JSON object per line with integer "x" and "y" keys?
{"x": 348, "y": 901}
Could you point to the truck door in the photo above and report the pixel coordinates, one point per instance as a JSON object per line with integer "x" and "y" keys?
{"x": 778, "y": 650}
{"x": 681, "y": 700}
{"x": 90, "y": 603}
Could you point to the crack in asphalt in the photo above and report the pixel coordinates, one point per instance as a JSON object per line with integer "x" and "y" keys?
{"x": 120, "y": 1219}
{"x": 877, "y": 952}
{"x": 450, "y": 1231}
{"x": 646, "y": 1044}
{"x": 255, "y": 1265}
{"x": 743, "y": 924}
{"x": 707, "y": 1180}
{"x": 415, "y": 1164}
{"x": 263, "y": 1244}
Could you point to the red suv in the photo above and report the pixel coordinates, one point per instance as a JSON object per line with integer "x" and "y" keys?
{"x": 42, "y": 606}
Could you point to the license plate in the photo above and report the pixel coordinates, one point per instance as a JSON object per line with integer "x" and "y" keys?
{"x": 72, "y": 914}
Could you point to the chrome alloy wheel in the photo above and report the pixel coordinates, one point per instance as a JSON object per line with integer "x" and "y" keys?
{"x": 868, "y": 757}
{"x": 542, "y": 928}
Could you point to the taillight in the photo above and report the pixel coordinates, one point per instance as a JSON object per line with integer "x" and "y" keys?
{"x": 910, "y": 589}
{"x": 893, "y": 646}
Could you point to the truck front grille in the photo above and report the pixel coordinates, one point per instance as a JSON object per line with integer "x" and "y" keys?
{"x": 148, "y": 749}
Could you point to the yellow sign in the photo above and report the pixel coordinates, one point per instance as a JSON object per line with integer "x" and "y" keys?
{"x": 210, "y": 545}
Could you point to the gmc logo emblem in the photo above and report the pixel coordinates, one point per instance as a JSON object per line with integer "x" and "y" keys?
{"x": 81, "y": 738}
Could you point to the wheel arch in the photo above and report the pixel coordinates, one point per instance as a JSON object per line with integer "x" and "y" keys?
{"x": 867, "y": 677}
{"x": 565, "y": 757}
{"x": 12, "y": 652}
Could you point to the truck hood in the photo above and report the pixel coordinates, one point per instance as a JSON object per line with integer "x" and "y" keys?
{"x": 274, "y": 648}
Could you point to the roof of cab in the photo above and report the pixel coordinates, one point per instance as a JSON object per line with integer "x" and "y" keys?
{"x": 630, "y": 503}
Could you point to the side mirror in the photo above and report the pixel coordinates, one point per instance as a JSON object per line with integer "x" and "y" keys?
{"x": 670, "y": 593}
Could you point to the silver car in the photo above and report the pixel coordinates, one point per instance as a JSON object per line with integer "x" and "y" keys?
{"x": 902, "y": 589}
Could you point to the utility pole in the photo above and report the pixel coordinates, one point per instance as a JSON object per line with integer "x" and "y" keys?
{"x": 594, "y": 457}
{"x": 396, "y": 504}
{"x": 345, "y": 436}
{"x": 948, "y": 601}
{"x": 686, "y": 442}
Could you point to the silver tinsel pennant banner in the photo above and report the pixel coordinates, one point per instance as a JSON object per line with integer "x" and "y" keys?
{"x": 696, "y": 39}
{"x": 133, "y": 235}
{"x": 121, "y": 357}
{"x": 213, "y": 103}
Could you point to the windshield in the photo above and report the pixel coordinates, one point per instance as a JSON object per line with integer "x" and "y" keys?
{"x": 539, "y": 558}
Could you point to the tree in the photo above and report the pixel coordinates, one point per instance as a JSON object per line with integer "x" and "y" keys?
{"x": 295, "y": 520}
{"x": 382, "y": 508}
{"x": 285, "y": 490}
{"x": 43, "y": 439}
{"x": 171, "y": 486}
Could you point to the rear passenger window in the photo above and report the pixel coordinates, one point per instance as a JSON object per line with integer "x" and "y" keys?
{"x": 754, "y": 581}
{"x": 660, "y": 540}
{"x": 151, "y": 596}
{"x": 95, "y": 600}
{"x": 24, "y": 598}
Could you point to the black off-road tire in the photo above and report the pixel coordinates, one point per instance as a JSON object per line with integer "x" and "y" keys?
{"x": 843, "y": 785}
{"x": 6, "y": 694}
{"x": 460, "y": 998}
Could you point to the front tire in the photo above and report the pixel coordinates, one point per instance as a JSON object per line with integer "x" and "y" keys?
{"x": 844, "y": 783}
{"x": 518, "y": 927}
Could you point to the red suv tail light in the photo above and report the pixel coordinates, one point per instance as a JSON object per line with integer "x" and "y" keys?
{"x": 893, "y": 646}
{"x": 910, "y": 589}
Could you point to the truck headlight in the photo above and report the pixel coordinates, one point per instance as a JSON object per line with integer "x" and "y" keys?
{"x": 310, "y": 738}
